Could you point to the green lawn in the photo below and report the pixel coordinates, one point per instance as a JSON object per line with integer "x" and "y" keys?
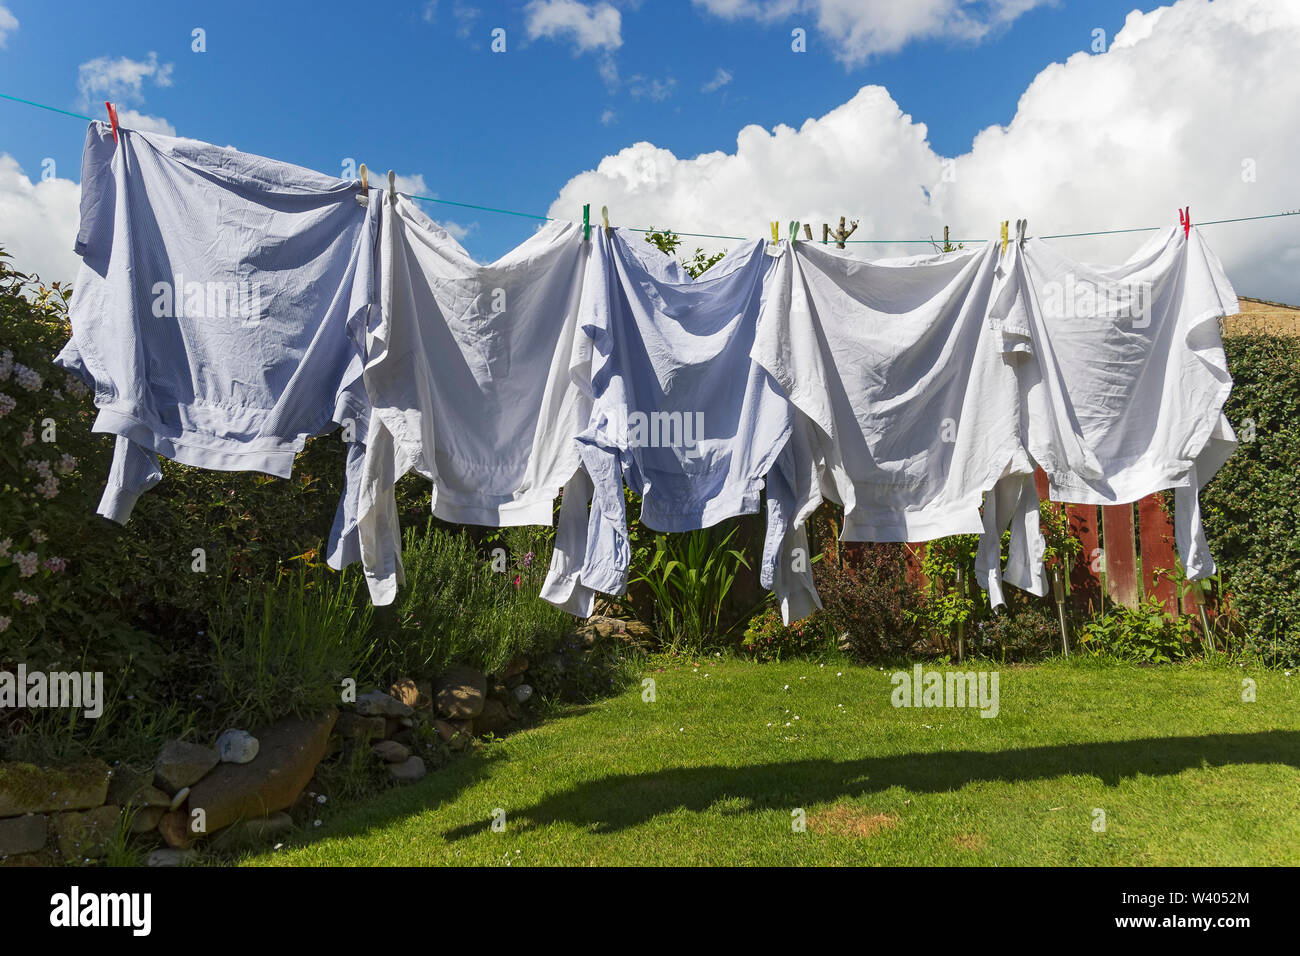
{"x": 712, "y": 771}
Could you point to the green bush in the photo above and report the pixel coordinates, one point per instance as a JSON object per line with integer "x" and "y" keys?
{"x": 1250, "y": 507}
{"x": 287, "y": 649}
{"x": 1143, "y": 635}
{"x": 768, "y": 639}
{"x": 461, "y": 605}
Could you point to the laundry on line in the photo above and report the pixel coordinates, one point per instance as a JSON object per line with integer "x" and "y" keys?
{"x": 920, "y": 393}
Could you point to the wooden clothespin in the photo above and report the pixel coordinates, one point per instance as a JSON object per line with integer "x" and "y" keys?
{"x": 807, "y": 232}
{"x": 112, "y": 118}
{"x": 1185, "y": 220}
{"x": 392, "y": 187}
{"x": 604, "y": 215}
{"x": 364, "y": 198}
{"x": 826, "y": 233}
{"x": 1005, "y": 236}
{"x": 586, "y": 222}
{"x": 841, "y": 234}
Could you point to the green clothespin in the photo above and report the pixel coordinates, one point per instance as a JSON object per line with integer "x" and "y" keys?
{"x": 794, "y": 230}
{"x": 586, "y": 222}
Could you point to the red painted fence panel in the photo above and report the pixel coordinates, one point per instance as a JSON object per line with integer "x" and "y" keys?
{"x": 1120, "y": 552}
{"x": 1156, "y": 534}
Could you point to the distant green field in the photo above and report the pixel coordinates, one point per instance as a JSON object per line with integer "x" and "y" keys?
{"x": 727, "y": 759}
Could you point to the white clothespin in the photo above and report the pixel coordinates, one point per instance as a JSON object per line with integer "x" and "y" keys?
{"x": 604, "y": 215}
{"x": 364, "y": 198}
{"x": 1021, "y": 226}
{"x": 392, "y": 187}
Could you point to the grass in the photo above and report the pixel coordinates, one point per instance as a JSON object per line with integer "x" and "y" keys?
{"x": 714, "y": 769}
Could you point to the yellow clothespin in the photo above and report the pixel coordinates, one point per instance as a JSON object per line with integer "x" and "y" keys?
{"x": 1005, "y": 237}
{"x": 776, "y": 232}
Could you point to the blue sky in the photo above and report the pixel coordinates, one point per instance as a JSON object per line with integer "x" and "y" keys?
{"x": 314, "y": 82}
{"x": 414, "y": 86}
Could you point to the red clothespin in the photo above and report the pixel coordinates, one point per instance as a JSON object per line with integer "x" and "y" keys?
{"x": 112, "y": 118}
{"x": 1185, "y": 220}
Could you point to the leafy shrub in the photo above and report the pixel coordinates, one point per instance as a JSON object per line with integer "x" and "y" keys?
{"x": 1145, "y": 635}
{"x": 869, "y": 601}
{"x": 1250, "y": 506}
{"x": 1025, "y": 633}
{"x": 456, "y": 607}
{"x": 768, "y": 639}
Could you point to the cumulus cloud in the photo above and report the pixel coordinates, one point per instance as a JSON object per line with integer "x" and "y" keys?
{"x": 149, "y": 124}
{"x": 8, "y": 24}
{"x": 1192, "y": 104}
{"x": 720, "y": 79}
{"x": 39, "y": 222}
{"x": 860, "y": 29}
{"x": 589, "y": 27}
{"x": 122, "y": 79}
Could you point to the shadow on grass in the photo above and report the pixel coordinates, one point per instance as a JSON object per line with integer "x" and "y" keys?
{"x": 626, "y": 800}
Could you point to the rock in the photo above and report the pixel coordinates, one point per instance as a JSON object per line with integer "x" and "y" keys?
{"x": 460, "y": 693}
{"x": 237, "y": 746}
{"x": 85, "y": 835}
{"x": 378, "y": 704}
{"x": 517, "y": 666}
{"x": 390, "y": 751}
{"x": 26, "y": 788}
{"x": 126, "y": 782}
{"x": 415, "y": 694}
{"x": 408, "y": 771}
{"x": 513, "y": 682}
{"x": 492, "y": 719}
{"x": 25, "y": 834}
{"x": 174, "y": 828}
{"x": 171, "y": 857}
{"x": 251, "y": 833}
{"x": 451, "y": 735}
{"x": 523, "y": 692}
{"x": 355, "y": 727}
{"x": 182, "y": 764}
{"x": 144, "y": 819}
{"x": 180, "y": 797}
{"x": 601, "y": 627}
{"x": 290, "y": 751}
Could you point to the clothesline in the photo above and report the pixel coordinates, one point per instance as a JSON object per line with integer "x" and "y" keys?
{"x": 706, "y": 235}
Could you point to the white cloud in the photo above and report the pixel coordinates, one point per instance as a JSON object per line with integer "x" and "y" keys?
{"x": 590, "y": 27}
{"x": 8, "y": 24}
{"x": 411, "y": 185}
{"x": 720, "y": 79}
{"x": 860, "y": 29}
{"x": 608, "y": 117}
{"x": 456, "y": 230}
{"x": 40, "y": 222}
{"x": 430, "y": 11}
{"x": 121, "y": 80}
{"x": 651, "y": 88}
{"x": 1167, "y": 118}
{"x": 149, "y": 124}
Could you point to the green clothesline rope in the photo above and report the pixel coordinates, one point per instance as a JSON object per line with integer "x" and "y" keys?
{"x": 706, "y": 235}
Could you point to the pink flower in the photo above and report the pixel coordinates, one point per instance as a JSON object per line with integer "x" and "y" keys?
{"x": 7, "y": 404}
{"x": 28, "y": 562}
{"x": 67, "y": 464}
{"x": 48, "y": 488}
{"x": 28, "y": 437}
{"x": 22, "y": 597}
{"x": 39, "y": 536}
{"x": 5, "y": 545}
{"x": 4, "y": 624}
{"x": 56, "y": 564}
{"x": 39, "y": 466}
{"x": 27, "y": 378}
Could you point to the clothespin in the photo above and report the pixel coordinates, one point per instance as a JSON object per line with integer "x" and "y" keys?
{"x": 1185, "y": 220}
{"x": 364, "y": 198}
{"x": 586, "y": 222}
{"x": 112, "y": 118}
{"x": 794, "y": 230}
{"x": 392, "y": 187}
{"x": 1021, "y": 226}
{"x": 776, "y": 232}
{"x": 807, "y": 232}
{"x": 1005, "y": 237}
{"x": 604, "y": 215}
